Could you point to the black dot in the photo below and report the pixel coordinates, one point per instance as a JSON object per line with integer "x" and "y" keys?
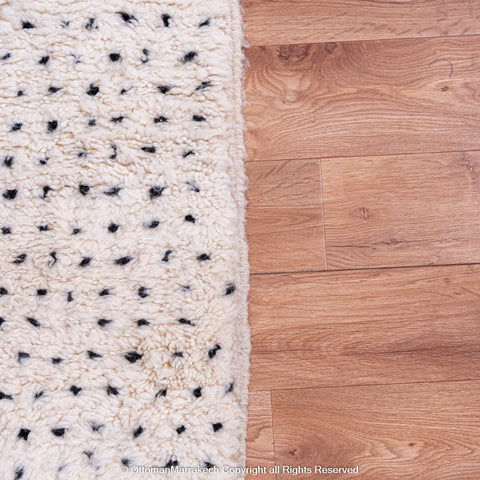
{"x": 188, "y": 153}
{"x": 171, "y": 463}
{"x": 217, "y": 426}
{"x": 126, "y": 17}
{"x": 115, "y": 57}
{"x": 16, "y": 127}
{"x": 69, "y": 297}
{"x": 33, "y": 322}
{"x": 75, "y": 390}
{"x": 118, "y": 119}
{"x": 104, "y": 292}
{"x": 203, "y": 85}
{"x": 149, "y": 149}
{"x": 20, "y": 93}
{"x": 92, "y": 122}
{"x": 54, "y": 89}
{"x": 93, "y": 90}
{"x": 113, "y": 191}
{"x": 188, "y": 57}
{"x": 5, "y": 396}
{"x": 18, "y": 473}
{"x": 6, "y": 230}
{"x": 59, "y": 432}
{"x": 20, "y": 258}
{"x": 160, "y": 119}
{"x": 2, "y": 321}
{"x": 205, "y": 23}
{"x": 203, "y": 257}
{"x": 230, "y": 289}
{"x": 113, "y": 227}
{"x": 166, "y": 20}
{"x": 138, "y": 431}
{"x": 92, "y": 355}
{"x": 190, "y": 218}
{"x": 3, "y": 291}
{"x": 44, "y": 60}
{"x": 229, "y": 388}
{"x": 57, "y": 360}
{"x": 52, "y": 126}
{"x": 181, "y": 429}
{"x": 112, "y": 390}
{"x": 96, "y": 427}
{"x": 123, "y": 260}
{"x": 90, "y": 25}
{"x": 142, "y": 322}
{"x": 198, "y": 118}
{"x": 161, "y": 393}
{"x": 193, "y": 186}
{"x": 7, "y": 161}
{"x": 126, "y": 461}
{"x": 213, "y": 351}
{"x": 24, "y": 433}
{"x": 76, "y": 231}
{"x": 84, "y": 189}
{"x": 164, "y": 88}
{"x": 177, "y": 355}
{"x": 41, "y": 292}
{"x": 143, "y": 292}
{"x": 45, "y": 191}
{"x": 44, "y": 228}
{"x": 166, "y": 256}
{"x": 156, "y": 191}
{"x": 85, "y": 261}
{"x": 132, "y": 357}
{"x": 38, "y": 395}
{"x": 103, "y": 322}
{"x": 6, "y": 56}
{"x": 208, "y": 465}
{"x": 27, "y": 25}
{"x": 153, "y": 224}
{"x": 185, "y": 321}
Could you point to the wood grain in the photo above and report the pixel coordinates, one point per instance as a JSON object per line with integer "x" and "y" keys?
{"x": 260, "y": 450}
{"x": 276, "y": 22}
{"x": 402, "y": 210}
{"x": 363, "y": 98}
{"x": 428, "y": 432}
{"x": 284, "y": 216}
{"x": 365, "y": 327}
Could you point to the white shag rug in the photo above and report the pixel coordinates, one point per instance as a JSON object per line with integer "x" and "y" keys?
{"x": 123, "y": 262}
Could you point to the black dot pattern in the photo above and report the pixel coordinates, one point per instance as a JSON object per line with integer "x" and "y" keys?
{"x": 122, "y": 259}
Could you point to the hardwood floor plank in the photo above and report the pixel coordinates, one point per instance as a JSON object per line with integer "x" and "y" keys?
{"x": 402, "y": 210}
{"x": 365, "y": 327}
{"x": 276, "y": 22}
{"x": 363, "y": 98}
{"x": 284, "y": 216}
{"x": 424, "y": 431}
{"x": 260, "y": 450}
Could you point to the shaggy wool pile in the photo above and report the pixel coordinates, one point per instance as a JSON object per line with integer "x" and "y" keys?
{"x": 123, "y": 265}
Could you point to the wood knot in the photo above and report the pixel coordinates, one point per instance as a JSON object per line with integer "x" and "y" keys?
{"x": 364, "y": 213}
{"x": 330, "y": 47}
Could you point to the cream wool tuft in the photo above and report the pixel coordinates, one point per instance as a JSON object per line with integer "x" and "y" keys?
{"x": 124, "y": 339}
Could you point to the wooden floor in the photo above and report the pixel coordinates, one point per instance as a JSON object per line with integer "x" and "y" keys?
{"x": 364, "y": 228}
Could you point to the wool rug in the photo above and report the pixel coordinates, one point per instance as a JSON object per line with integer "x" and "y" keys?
{"x": 123, "y": 262}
